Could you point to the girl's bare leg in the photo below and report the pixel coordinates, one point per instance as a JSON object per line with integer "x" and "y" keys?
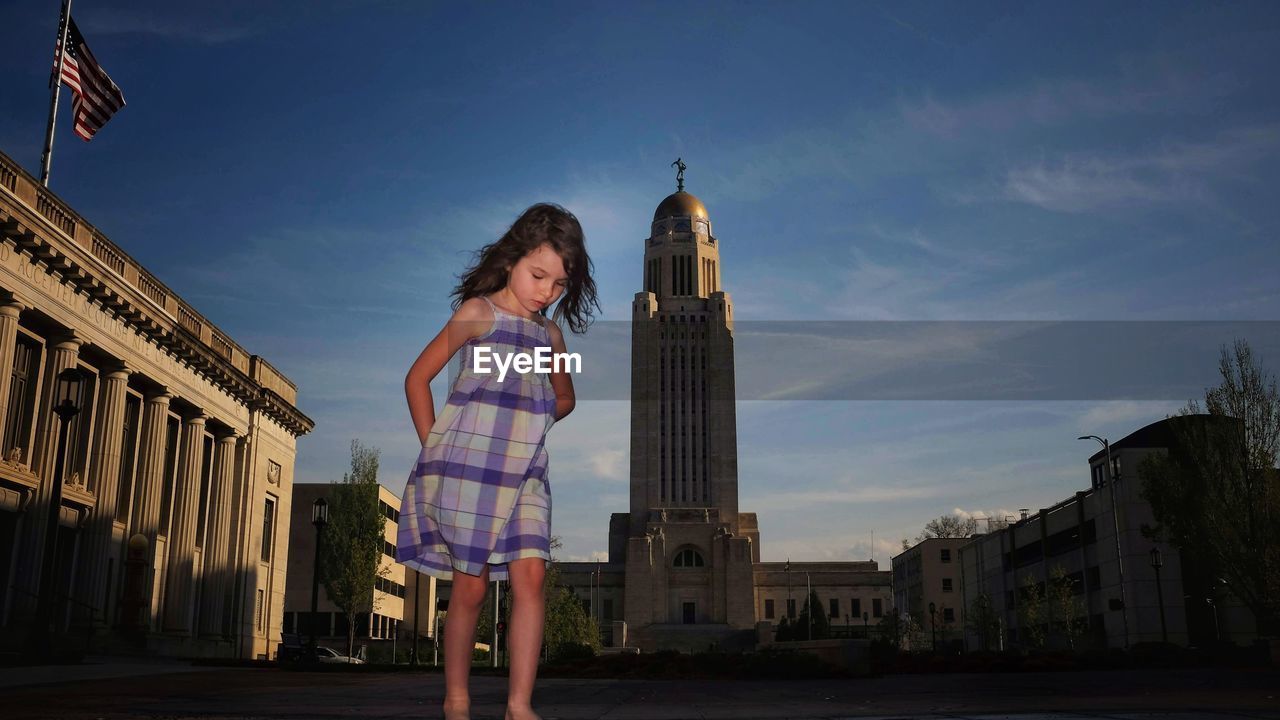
{"x": 465, "y": 598}
{"x": 524, "y": 637}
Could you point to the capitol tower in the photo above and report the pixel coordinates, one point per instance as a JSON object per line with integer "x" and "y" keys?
{"x": 688, "y": 550}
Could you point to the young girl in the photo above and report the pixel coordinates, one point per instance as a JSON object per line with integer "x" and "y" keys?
{"x": 478, "y": 503}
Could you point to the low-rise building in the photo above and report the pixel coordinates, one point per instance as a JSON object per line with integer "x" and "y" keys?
{"x": 1096, "y": 538}
{"x": 927, "y": 575}
{"x": 396, "y": 595}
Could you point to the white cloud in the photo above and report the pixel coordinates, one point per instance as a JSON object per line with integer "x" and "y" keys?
{"x": 1173, "y": 172}
{"x": 1124, "y": 412}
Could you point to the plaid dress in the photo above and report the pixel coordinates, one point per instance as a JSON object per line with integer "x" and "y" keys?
{"x": 479, "y": 492}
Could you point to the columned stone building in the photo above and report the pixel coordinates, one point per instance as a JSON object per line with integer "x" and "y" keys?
{"x": 684, "y": 567}
{"x": 173, "y": 525}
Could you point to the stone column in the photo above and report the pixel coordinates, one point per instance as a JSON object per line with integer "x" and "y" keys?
{"x": 104, "y": 482}
{"x": 148, "y": 489}
{"x": 10, "y": 307}
{"x": 182, "y": 528}
{"x": 64, "y": 352}
{"x": 217, "y": 539}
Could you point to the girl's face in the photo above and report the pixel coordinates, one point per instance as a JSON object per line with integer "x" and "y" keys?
{"x": 538, "y": 279}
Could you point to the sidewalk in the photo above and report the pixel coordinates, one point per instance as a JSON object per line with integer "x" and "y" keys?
{"x": 93, "y": 668}
{"x": 140, "y": 691}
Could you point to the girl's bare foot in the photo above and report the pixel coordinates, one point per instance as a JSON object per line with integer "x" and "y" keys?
{"x": 521, "y": 713}
{"x": 457, "y": 711}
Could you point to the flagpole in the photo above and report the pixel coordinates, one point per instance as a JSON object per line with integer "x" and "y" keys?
{"x": 47, "y": 157}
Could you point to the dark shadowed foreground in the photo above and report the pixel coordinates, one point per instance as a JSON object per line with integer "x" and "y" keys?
{"x": 269, "y": 693}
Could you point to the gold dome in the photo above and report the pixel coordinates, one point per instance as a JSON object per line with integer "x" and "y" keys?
{"x": 680, "y": 204}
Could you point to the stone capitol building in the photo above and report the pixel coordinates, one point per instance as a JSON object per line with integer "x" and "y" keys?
{"x": 170, "y": 522}
{"x": 684, "y": 569}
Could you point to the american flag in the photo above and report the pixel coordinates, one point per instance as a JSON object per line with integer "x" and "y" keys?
{"x": 96, "y": 97}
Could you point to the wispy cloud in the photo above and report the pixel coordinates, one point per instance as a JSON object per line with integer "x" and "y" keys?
{"x": 207, "y": 31}
{"x": 1173, "y": 172}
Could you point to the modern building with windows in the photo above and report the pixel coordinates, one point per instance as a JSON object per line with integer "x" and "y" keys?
{"x": 927, "y": 575}
{"x": 1096, "y": 538}
{"x": 684, "y": 568}
{"x": 174, "y": 499}
{"x": 395, "y": 594}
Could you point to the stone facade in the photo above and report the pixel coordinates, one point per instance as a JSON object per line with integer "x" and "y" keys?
{"x": 174, "y": 507}
{"x": 684, "y": 567}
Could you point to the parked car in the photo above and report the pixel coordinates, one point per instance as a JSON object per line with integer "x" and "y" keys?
{"x": 329, "y": 655}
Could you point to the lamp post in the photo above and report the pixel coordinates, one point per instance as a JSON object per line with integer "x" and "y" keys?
{"x": 866, "y": 629}
{"x": 787, "y": 568}
{"x": 1157, "y": 562}
{"x": 933, "y": 627}
{"x": 319, "y": 518}
{"x": 808, "y": 601}
{"x": 66, "y": 406}
{"x": 1112, "y": 479}
{"x": 417, "y": 610}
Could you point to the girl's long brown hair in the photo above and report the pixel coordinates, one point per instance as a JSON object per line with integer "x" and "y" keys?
{"x": 542, "y": 223}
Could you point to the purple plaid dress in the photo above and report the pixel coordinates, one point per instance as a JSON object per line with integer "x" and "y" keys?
{"x": 479, "y": 493}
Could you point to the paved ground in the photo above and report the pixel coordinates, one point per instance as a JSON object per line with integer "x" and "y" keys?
{"x": 128, "y": 691}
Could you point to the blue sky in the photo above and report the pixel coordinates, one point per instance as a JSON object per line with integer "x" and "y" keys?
{"x": 312, "y": 176}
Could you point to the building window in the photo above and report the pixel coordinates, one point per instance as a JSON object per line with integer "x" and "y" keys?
{"x": 606, "y": 608}
{"x": 877, "y": 607}
{"x": 834, "y": 609}
{"x": 946, "y": 555}
{"x": 948, "y": 615}
{"x": 259, "y": 614}
{"x": 388, "y": 549}
{"x": 946, "y": 584}
{"x": 128, "y": 456}
{"x": 206, "y": 477}
{"x": 268, "y": 527}
{"x": 768, "y": 609}
{"x": 791, "y": 608}
{"x": 170, "y": 474}
{"x": 22, "y": 388}
{"x": 857, "y": 607}
{"x": 688, "y": 558}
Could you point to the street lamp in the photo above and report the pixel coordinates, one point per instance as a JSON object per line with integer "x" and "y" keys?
{"x": 1113, "y": 478}
{"x": 1157, "y": 562}
{"x": 787, "y": 568}
{"x": 319, "y": 518}
{"x": 933, "y": 626}
{"x": 66, "y": 396}
{"x": 417, "y": 610}
{"x": 808, "y": 602}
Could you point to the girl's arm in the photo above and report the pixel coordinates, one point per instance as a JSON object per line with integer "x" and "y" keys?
{"x": 560, "y": 381}
{"x": 472, "y": 319}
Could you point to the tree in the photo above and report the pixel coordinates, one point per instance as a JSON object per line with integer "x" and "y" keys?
{"x": 1031, "y": 612}
{"x": 983, "y": 621}
{"x": 784, "y": 630}
{"x": 1064, "y": 605}
{"x": 948, "y": 526}
{"x": 567, "y": 623}
{"x": 821, "y": 627}
{"x": 354, "y": 539}
{"x": 1216, "y": 494}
